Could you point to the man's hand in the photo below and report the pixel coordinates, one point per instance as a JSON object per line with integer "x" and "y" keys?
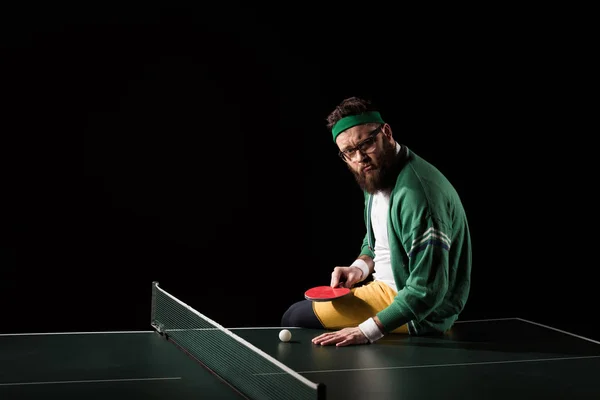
{"x": 344, "y": 337}
{"x": 345, "y": 276}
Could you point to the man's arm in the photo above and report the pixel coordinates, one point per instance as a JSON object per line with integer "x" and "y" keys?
{"x": 365, "y": 264}
{"x": 379, "y": 324}
{"x": 369, "y": 331}
{"x": 372, "y": 329}
{"x": 350, "y": 275}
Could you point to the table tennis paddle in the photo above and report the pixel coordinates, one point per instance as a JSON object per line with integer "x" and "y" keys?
{"x": 325, "y": 293}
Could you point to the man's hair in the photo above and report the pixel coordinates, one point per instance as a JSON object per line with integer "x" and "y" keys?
{"x": 349, "y": 106}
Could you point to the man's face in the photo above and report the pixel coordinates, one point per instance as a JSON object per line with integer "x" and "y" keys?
{"x": 371, "y": 166}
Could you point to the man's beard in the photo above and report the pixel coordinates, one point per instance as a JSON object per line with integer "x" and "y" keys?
{"x": 384, "y": 177}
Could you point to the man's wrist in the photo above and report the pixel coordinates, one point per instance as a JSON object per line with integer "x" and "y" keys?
{"x": 370, "y": 329}
{"x": 363, "y": 266}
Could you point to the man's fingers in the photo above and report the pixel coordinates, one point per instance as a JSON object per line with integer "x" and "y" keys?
{"x": 345, "y": 342}
{"x": 335, "y": 276}
{"x": 334, "y": 281}
{"x": 353, "y": 277}
{"x": 326, "y": 339}
{"x": 321, "y": 338}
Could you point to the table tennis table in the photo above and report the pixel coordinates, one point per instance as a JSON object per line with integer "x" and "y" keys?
{"x": 478, "y": 359}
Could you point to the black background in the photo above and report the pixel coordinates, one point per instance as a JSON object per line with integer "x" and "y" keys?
{"x": 188, "y": 145}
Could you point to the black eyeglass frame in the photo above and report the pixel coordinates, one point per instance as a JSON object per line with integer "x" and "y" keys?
{"x": 366, "y": 143}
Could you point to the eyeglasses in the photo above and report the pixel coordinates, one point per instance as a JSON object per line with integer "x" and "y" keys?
{"x": 366, "y": 146}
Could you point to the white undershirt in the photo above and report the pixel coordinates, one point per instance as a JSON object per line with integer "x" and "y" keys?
{"x": 382, "y": 270}
{"x": 379, "y": 219}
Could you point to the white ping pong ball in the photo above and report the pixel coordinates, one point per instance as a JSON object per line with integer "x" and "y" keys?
{"x": 285, "y": 335}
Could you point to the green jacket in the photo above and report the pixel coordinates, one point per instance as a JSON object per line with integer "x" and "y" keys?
{"x": 430, "y": 248}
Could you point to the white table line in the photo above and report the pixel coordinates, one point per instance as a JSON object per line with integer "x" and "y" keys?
{"x": 436, "y": 365}
{"x": 89, "y": 381}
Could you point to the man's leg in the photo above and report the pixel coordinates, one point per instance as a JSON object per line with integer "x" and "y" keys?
{"x": 349, "y": 311}
{"x": 301, "y": 315}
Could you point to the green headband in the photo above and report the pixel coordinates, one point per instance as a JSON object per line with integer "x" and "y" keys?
{"x": 353, "y": 120}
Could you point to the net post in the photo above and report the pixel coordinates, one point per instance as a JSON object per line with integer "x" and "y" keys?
{"x": 153, "y": 306}
{"x": 321, "y": 391}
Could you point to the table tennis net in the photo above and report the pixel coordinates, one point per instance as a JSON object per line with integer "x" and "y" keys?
{"x": 247, "y": 369}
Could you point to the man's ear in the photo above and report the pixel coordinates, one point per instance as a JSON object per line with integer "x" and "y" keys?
{"x": 387, "y": 131}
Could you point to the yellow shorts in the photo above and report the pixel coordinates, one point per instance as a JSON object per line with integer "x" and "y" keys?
{"x": 362, "y": 303}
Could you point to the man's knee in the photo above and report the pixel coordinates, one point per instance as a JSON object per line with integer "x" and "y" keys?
{"x": 301, "y": 315}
